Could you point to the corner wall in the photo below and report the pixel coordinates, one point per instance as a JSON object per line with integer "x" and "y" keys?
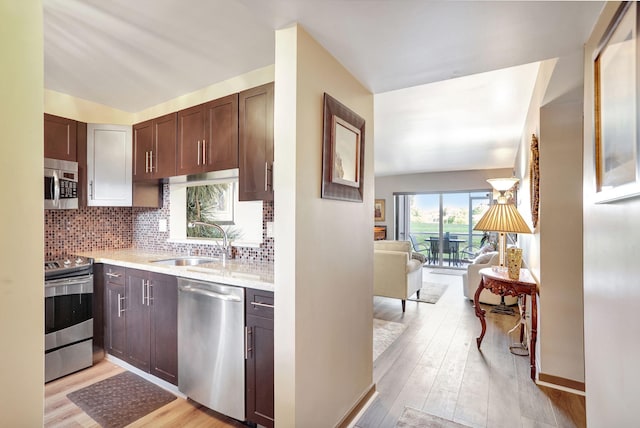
{"x": 324, "y": 264}
{"x": 21, "y": 215}
{"x": 611, "y": 286}
{"x": 554, "y": 251}
{"x": 561, "y": 301}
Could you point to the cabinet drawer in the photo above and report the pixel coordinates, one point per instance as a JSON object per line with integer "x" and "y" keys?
{"x": 114, "y": 274}
{"x": 259, "y": 303}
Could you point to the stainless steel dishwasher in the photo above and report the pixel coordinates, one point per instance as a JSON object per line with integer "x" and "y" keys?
{"x": 211, "y": 345}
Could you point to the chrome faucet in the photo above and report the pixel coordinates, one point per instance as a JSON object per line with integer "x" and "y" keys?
{"x": 225, "y": 242}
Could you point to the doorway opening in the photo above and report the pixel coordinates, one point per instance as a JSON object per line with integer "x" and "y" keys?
{"x": 440, "y": 225}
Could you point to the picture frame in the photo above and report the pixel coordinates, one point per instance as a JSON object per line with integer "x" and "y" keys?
{"x": 343, "y": 141}
{"x": 378, "y": 210}
{"x": 616, "y": 76}
{"x": 534, "y": 180}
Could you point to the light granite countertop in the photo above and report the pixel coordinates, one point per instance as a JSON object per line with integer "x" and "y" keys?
{"x": 241, "y": 273}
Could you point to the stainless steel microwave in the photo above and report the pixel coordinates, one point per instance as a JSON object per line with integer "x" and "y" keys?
{"x": 60, "y": 184}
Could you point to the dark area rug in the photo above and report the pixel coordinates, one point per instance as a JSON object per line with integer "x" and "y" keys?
{"x": 412, "y": 418}
{"x": 430, "y": 292}
{"x": 119, "y": 400}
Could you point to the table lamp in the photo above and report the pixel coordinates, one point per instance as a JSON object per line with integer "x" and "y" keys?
{"x": 503, "y": 217}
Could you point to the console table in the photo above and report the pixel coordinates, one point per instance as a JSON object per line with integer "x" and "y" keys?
{"x": 498, "y": 282}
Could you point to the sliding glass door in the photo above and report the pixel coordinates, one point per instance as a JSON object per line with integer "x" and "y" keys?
{"x": 440, "y": 225}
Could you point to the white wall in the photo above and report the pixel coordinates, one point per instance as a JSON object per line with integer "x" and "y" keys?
{"x": 611, "y": 284}
{"x": 530, "y": 244}
{"x": 554, "y": 251}
{"x": 560, "y": 225}
{"x": 21, "y": 215}
{"x": 451, "y": 181}
{"x": 324, "y": 248}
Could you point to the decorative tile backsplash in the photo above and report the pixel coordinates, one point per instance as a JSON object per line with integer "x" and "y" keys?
{"x": 147, "y": 237}
{"x": 104, "y": 228}
{"x": 86, "y": 229}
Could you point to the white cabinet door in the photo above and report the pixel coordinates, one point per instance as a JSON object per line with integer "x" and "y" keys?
{"x": 109, "y": 165}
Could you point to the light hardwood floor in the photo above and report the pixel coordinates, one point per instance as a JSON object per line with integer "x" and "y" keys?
{"x": 434, "y": 366}
{"x": 60, "y": 412}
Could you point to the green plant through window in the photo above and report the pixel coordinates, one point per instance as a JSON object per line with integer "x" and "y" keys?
{"x": 211, "y": 203}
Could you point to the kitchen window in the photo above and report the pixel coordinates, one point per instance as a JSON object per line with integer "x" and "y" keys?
{"x": 213, "y": 199}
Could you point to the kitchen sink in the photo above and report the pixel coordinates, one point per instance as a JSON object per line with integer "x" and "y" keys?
{"x": 184, "y": 261}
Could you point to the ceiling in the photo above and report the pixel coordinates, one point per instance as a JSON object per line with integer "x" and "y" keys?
{"x": 439, "y": 102}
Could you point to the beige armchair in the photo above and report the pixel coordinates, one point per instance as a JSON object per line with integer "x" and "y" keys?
{"x": 471, "y": 280}
{"x": 395, "y": 272}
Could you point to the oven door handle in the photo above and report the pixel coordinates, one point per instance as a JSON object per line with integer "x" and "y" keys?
{"x": 68, "y": 281}
{"x": 63, "y": 286}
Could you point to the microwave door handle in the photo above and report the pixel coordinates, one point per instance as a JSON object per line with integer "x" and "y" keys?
{"x": 56, "y": 188}
{"x": 52, "y": 189}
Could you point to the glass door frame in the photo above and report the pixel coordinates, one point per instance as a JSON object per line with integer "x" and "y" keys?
{"x": 402, "y": 217}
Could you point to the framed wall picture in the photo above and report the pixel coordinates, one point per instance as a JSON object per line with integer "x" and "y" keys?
{"x": 616, "y": 96}
{"x": 534, "y": 180}
{"x": 342, "y": 152}
{"x": 378, "y": 210}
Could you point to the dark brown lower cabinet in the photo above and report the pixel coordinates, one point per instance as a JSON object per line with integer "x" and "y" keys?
{"x": 115, "y": 338}
{"x": 164, "y": 327}
{"x": 259, "y": 363}
{"x": 138, "y": 319}
{"x": 142, "y": 320}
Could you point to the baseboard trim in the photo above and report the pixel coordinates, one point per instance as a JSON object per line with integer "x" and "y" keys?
{"x": 562, "y": 383}
{"x": 363, "y": 402}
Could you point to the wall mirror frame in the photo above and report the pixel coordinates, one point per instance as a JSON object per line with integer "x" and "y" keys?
{"x": 343, "y": 142}
{"x": 616, "y": 76}
{"x": 534, "y": 179}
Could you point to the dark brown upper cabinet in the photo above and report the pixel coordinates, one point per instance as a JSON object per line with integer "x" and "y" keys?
{"x": 60, "y": 138}
{"x": 256, "y": 143}
{"x": 208, "y": 137}
{"x": 154, "y": 148}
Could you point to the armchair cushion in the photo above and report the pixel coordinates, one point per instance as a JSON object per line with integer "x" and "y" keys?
{"x": 395, "y": 272}
{"x": 483, "y": 259}
{"x": 471, "y": 280}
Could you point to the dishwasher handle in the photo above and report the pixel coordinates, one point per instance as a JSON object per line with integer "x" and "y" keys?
{"x": 209, "y": 293}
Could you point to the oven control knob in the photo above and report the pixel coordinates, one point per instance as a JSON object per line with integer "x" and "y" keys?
{"x": 79, "y": 261}
{"x": 67, "y": 262}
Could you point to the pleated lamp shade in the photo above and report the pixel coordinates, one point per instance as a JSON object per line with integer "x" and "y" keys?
{"x": 503, "y": 218}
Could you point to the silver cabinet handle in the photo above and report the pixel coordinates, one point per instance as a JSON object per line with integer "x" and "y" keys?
{"x": 150, "y": 160}
{"x": 149, "y": 289}
{"x": 199, "y": 151}
{"x": 113, "y": 275}
{"x": 248, "y": 340}
{"x": 120, "y": 305}
{"x": 263, "y": 305}
{"x": 146, "y": 161}
{"x": 204, "y": 152}
{"x": 266, "y": 175}
{"x": 144, "y": 286}
{"x": 90, "y": 189}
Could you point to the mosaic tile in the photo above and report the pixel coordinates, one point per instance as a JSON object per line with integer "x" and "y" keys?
{"x": 107, "y": 228}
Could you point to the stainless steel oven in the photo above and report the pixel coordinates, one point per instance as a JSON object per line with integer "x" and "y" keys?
{"x": 68, "y": 302}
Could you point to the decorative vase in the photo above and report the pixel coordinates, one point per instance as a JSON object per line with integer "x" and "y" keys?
{"x": 514, "y": 260}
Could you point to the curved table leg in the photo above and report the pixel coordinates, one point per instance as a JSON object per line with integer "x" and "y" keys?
{"x": 479, "y": 313}
{"x": 534, "y": 333}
